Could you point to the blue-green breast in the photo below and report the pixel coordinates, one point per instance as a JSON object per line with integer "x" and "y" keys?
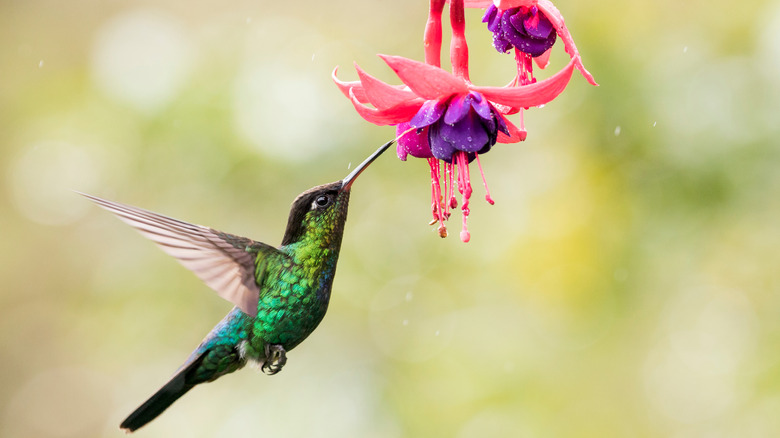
{"x": 294, "y": 297}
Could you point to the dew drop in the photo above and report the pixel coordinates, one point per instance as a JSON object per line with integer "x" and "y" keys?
{"x": 617, "y": 130}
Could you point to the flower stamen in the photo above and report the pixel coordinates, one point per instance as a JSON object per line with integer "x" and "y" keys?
{"x": 484, "y": 182}
{"x": 464, "y": 187}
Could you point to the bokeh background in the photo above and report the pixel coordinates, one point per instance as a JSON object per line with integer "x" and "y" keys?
{"x": 625, "y": 283}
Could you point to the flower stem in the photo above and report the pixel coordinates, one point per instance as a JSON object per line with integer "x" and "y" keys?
{"x": 459, "y": 50}
{"x": 432, "y": 36}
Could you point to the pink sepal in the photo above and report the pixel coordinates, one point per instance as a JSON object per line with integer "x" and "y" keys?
{"x": 543, "y": 60}
{"x": 383, "y": 95}
{"x": 509, "y": 4}
{"x": 425, "y": 80}
{"x": 526, "y": 96}
{"x": 555, "y": 17}
{"x": 402, "y": 112}
{"x": 477, "y": 3}
{"x": 515, "y": 134}
{"x": 355, "y": 86}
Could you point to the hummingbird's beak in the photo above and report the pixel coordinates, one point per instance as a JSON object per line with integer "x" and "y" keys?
{"x": 346, "y": 183}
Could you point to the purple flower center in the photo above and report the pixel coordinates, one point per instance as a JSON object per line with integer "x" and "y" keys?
{"x": 466, "y": 122}
{"x": 524, "y": 28}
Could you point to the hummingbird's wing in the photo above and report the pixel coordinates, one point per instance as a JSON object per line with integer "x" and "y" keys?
{"x": 225, "y": 262}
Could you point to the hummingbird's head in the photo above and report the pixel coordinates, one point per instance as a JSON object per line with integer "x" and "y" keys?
{"x": 320, "y": 212}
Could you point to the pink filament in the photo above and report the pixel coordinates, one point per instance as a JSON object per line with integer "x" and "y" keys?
{"x": 525, "y": 68}
{"x": 451, "y": 201}
{"x": 484, "y": 182}
{"x": 436, "y": 197}
{"x": 455, "y": 172}
{"x": 464, "y": 187}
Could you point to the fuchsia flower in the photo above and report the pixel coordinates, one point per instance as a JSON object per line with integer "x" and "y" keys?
{"x": 524, "y": 28}
{"x": 527, "y": 26}
{"x": 442, "y": 117}
{"x": 449, "y": 121}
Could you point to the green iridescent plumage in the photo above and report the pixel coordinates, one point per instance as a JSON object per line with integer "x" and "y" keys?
{"x": 281, "y": 294}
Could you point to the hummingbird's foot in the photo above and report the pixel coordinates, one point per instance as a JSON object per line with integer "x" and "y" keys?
{"x": 275, "y": 358}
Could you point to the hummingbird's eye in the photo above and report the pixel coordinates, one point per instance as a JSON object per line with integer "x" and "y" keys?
{"x": 321, "y": 201}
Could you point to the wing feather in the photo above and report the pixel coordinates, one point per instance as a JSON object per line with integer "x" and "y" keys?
{"x": 225, "y": 262}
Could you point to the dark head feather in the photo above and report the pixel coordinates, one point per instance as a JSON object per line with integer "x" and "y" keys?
{"x": 297, "y": 221}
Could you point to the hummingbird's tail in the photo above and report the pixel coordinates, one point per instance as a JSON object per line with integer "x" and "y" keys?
{"x": 157, "y": 403}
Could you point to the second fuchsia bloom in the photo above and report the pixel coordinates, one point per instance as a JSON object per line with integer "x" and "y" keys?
{"x": 522, "y": 27}
{"x": 528, "y": 26}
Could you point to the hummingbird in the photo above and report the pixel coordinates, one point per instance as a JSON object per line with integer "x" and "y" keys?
{"x": 280, "y": 293}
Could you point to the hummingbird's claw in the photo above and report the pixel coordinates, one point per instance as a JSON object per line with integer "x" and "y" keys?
{"x": 275, "y": 358}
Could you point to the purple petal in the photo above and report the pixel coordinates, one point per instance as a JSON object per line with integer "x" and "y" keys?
{"x": 440, "y": 148}
{"x": 457, "y": 109}
{"x": 490, "y": 18}
{"x": 484, "y": 150}
{"x": 501, "y": 44}
{"x": 514, "y": 28}
{"x": 481, "y": 106}
{"x": 501, "y": 122}
{"x": 538, "y": 26}
{"x": 515, "y": 20}
{"x": 526, "y": 44}
{"x": 414, "y": 142}
{"x": 467, "y": 135}
{"x": 490, "y": 127}
{"x": 431, "y": 111}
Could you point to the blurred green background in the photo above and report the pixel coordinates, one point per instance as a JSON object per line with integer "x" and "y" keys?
{"x": 626, "y": 282}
